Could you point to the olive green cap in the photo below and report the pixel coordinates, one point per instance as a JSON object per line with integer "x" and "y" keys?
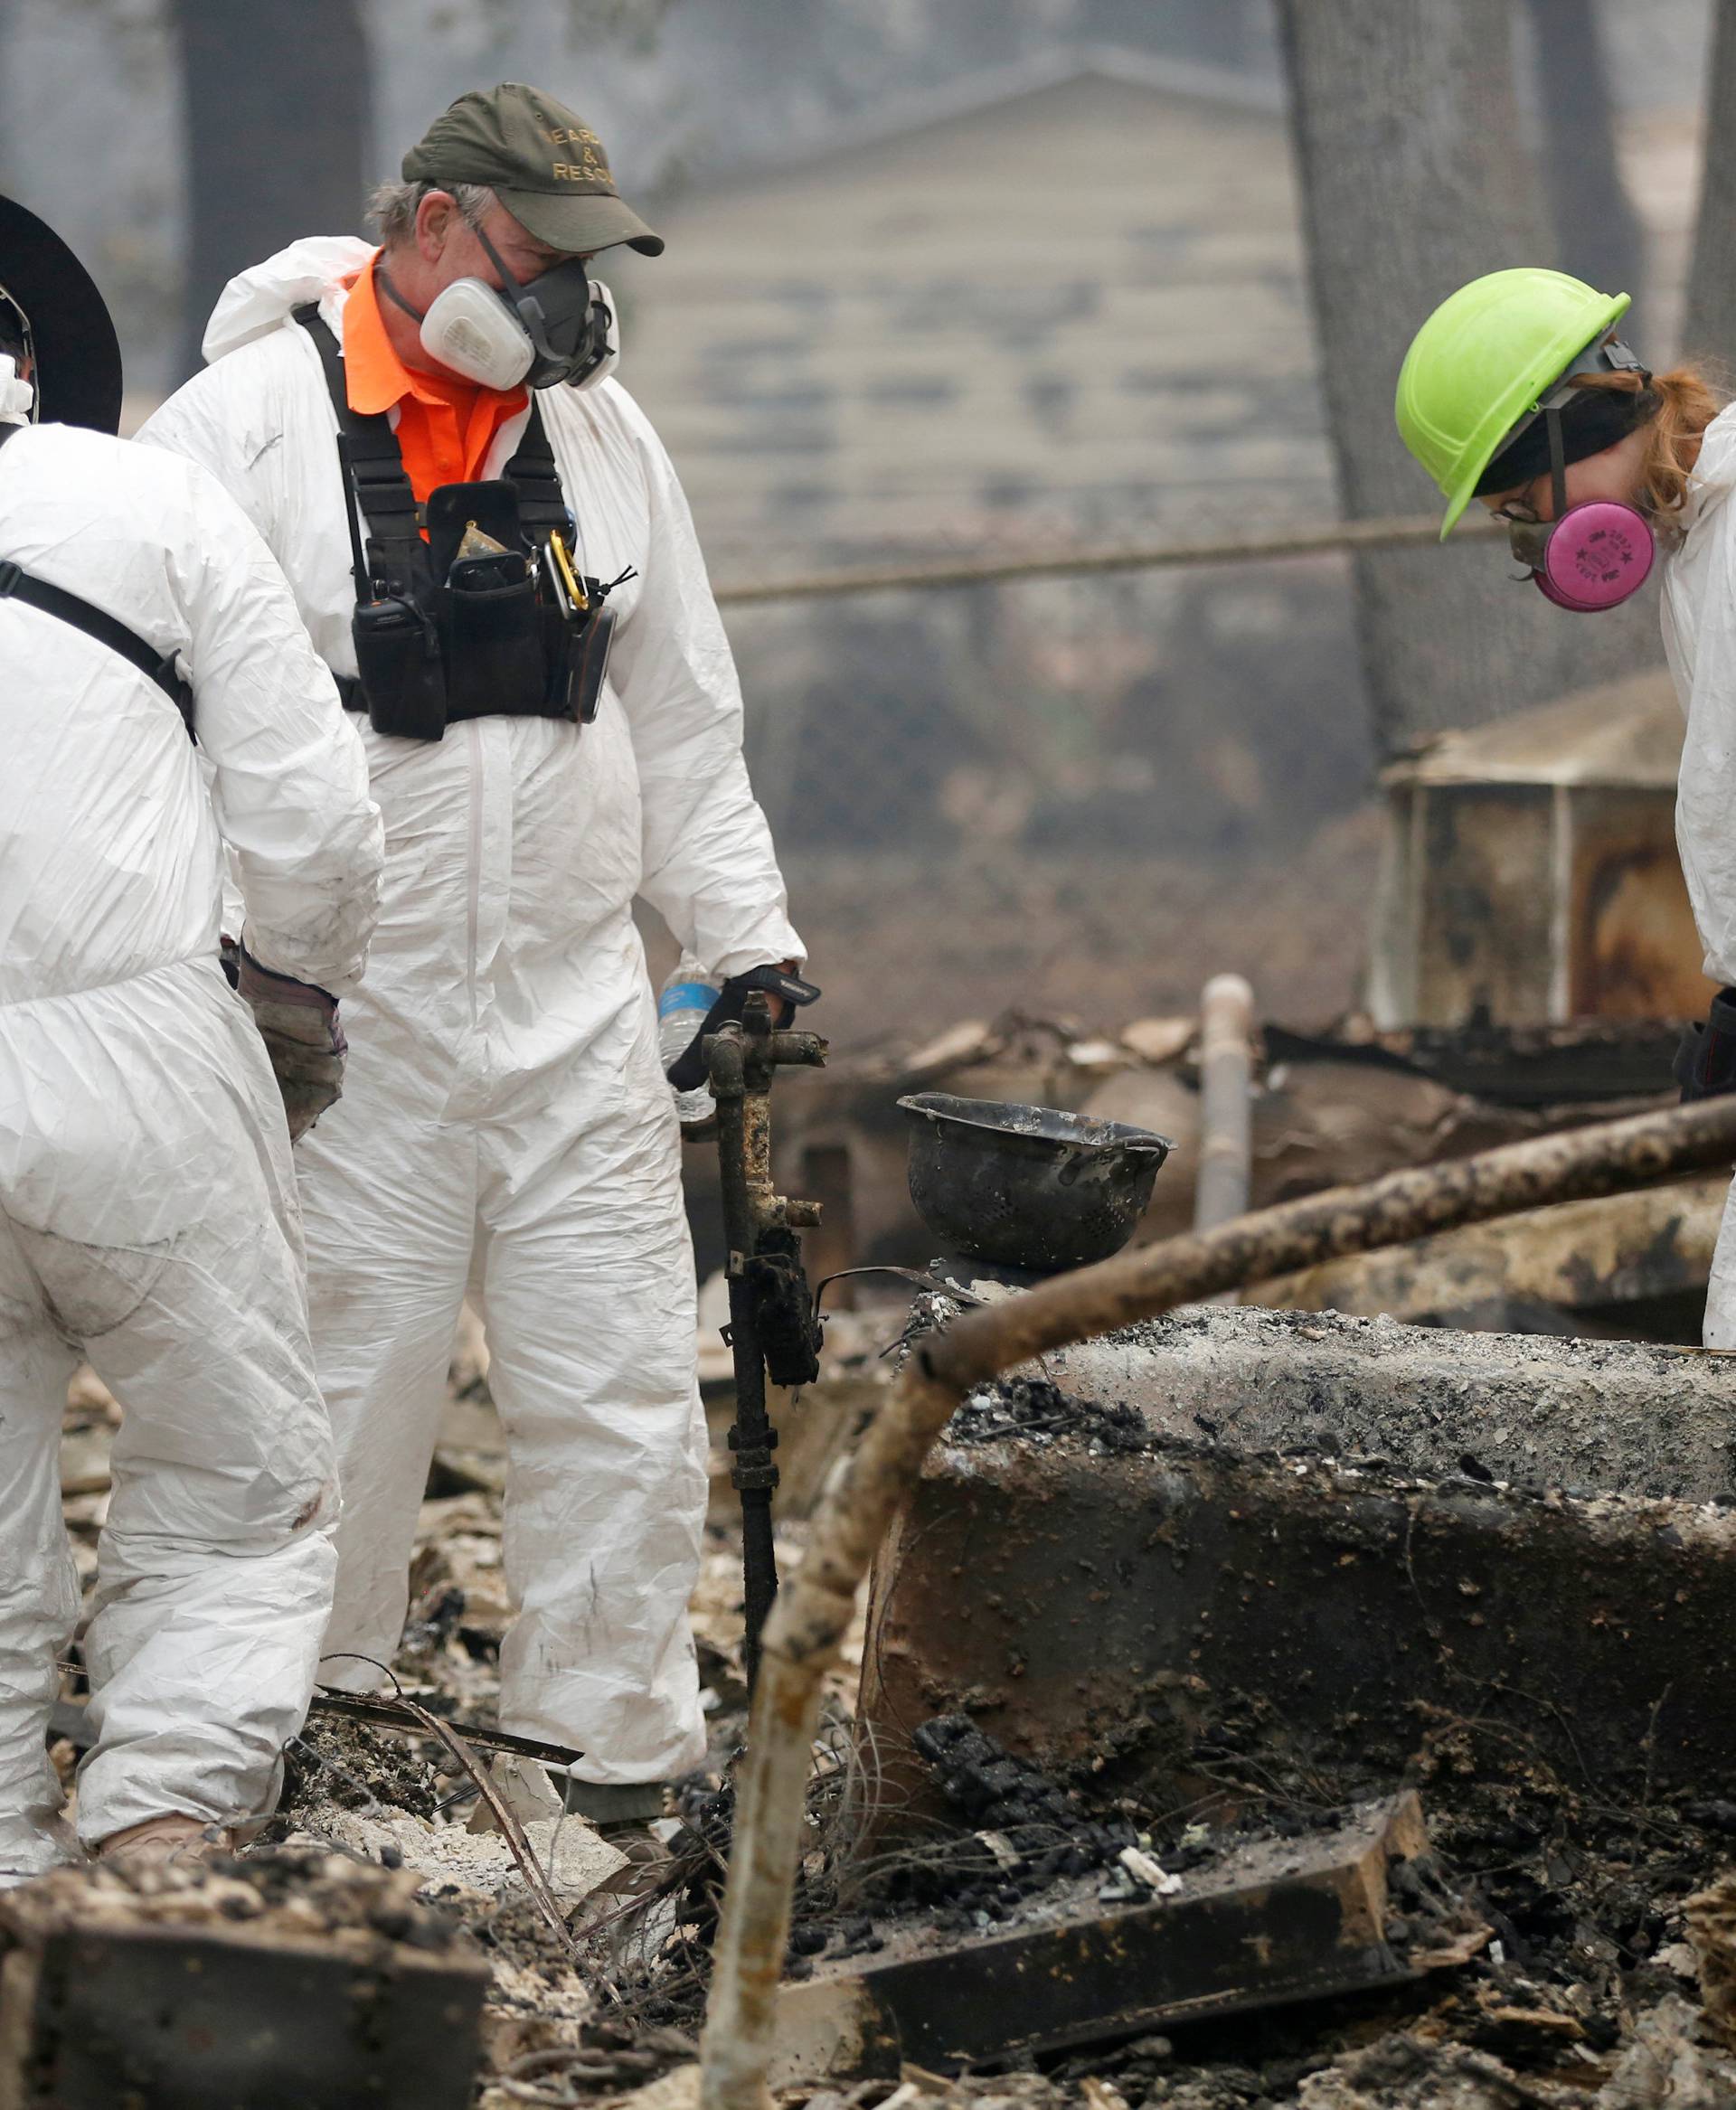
{"x": 543, "y": 162}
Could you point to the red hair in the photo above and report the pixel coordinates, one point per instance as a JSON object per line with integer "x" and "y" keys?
{"x": 1676, "y": 408}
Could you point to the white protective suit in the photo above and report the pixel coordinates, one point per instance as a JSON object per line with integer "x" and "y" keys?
{"x": 147, "y": 1207}
{"x": 1699, "y": 615}
{"x": 508, "y": 1130}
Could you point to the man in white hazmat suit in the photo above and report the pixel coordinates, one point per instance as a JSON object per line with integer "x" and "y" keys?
{"x": 509, "y": 1131}
{"x": 147, "y": 1207}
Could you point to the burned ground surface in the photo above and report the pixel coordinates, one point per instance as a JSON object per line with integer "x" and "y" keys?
{"x": 1565, "y": 1915}
{"x": 1564, "y": 1938}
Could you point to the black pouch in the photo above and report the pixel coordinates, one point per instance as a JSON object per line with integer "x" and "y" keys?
{"x": 490, "y": 625}
{"x": 578, "y": 659}
{"x": 453, "y": 509}
{"x": 493, "y": 636}
{"x": 398, "y": 662}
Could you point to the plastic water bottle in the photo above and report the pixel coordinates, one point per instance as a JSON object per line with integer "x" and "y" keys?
{"x": 683, "y": 1006}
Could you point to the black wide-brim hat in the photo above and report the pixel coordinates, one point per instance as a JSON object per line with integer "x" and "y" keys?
{"x": 78, "y": 355}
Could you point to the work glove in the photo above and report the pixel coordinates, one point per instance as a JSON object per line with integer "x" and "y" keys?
{"x": 1705, "y": 1061}
{"x": 688, "y": 1072}
{"x": 299, "y": 1024}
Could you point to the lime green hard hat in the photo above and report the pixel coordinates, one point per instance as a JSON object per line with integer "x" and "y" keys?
{"x": 1482, "y": 361}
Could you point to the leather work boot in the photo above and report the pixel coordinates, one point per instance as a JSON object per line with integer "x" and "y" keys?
{"x": 160, "y": 1842}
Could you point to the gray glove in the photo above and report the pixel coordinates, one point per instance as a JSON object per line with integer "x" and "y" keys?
{"x": 299, "y": 1024}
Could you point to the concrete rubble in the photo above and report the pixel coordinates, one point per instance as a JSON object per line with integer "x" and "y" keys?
{"x": 1345, "y": 1527}
{"x": 574, "y": 1859}
{"x": 1607, "y": 1417}
{"x": 1238, "y": 1560}
{"x": 1333, "y": 1610}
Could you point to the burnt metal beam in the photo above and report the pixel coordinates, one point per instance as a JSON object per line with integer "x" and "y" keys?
{"x": 1279, "y": 1921}
{"x": 1619, "y": 1250}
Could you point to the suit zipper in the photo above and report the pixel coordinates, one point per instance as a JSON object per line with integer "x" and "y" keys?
{"x": 473, "y": 908}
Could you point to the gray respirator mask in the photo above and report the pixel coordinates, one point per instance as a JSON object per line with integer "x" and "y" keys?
{"x": 557, "y": 327}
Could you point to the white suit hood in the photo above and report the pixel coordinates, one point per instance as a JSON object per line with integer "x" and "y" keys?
{"x": 1714, "y": 476}
{"x": 261, "y": 299}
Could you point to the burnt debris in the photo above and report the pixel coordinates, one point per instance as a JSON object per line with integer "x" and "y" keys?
{"x": 1035, "y": 1411}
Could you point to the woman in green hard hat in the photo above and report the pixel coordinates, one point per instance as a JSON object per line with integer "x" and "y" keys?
{"x": 1518, "y": 391}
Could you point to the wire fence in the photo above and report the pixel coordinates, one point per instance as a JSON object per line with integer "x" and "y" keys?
{"x": 1058, "y": 696}
{"x": 1075, "y": 776}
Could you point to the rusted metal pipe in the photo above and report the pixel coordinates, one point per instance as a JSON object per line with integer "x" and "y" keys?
{"x": 741, "y": 1061}
{"x": 808, "y": 1623}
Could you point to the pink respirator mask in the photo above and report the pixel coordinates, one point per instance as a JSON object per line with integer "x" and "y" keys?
{"x": 1589, "y": 557}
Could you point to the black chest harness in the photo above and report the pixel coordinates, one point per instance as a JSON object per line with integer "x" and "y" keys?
{"x": 16, "y": 584}
{"x": 486, "y": 617}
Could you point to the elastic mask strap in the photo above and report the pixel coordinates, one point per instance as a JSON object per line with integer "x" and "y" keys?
{"x": 516, "y": 301}
{"x": 385, "y": 280}
{"x": 528, "y": 310}
{"x": 1529, "y": 539}
{"x": 1557, "y": 461}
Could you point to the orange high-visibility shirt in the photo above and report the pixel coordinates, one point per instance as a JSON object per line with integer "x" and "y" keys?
{"x": 446, "y": 426}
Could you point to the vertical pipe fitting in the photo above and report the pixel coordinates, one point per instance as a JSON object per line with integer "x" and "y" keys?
{"x": 1226, "y": 1129}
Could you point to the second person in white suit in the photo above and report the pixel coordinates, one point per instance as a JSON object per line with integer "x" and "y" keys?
{"x": 508, "y": 1133}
